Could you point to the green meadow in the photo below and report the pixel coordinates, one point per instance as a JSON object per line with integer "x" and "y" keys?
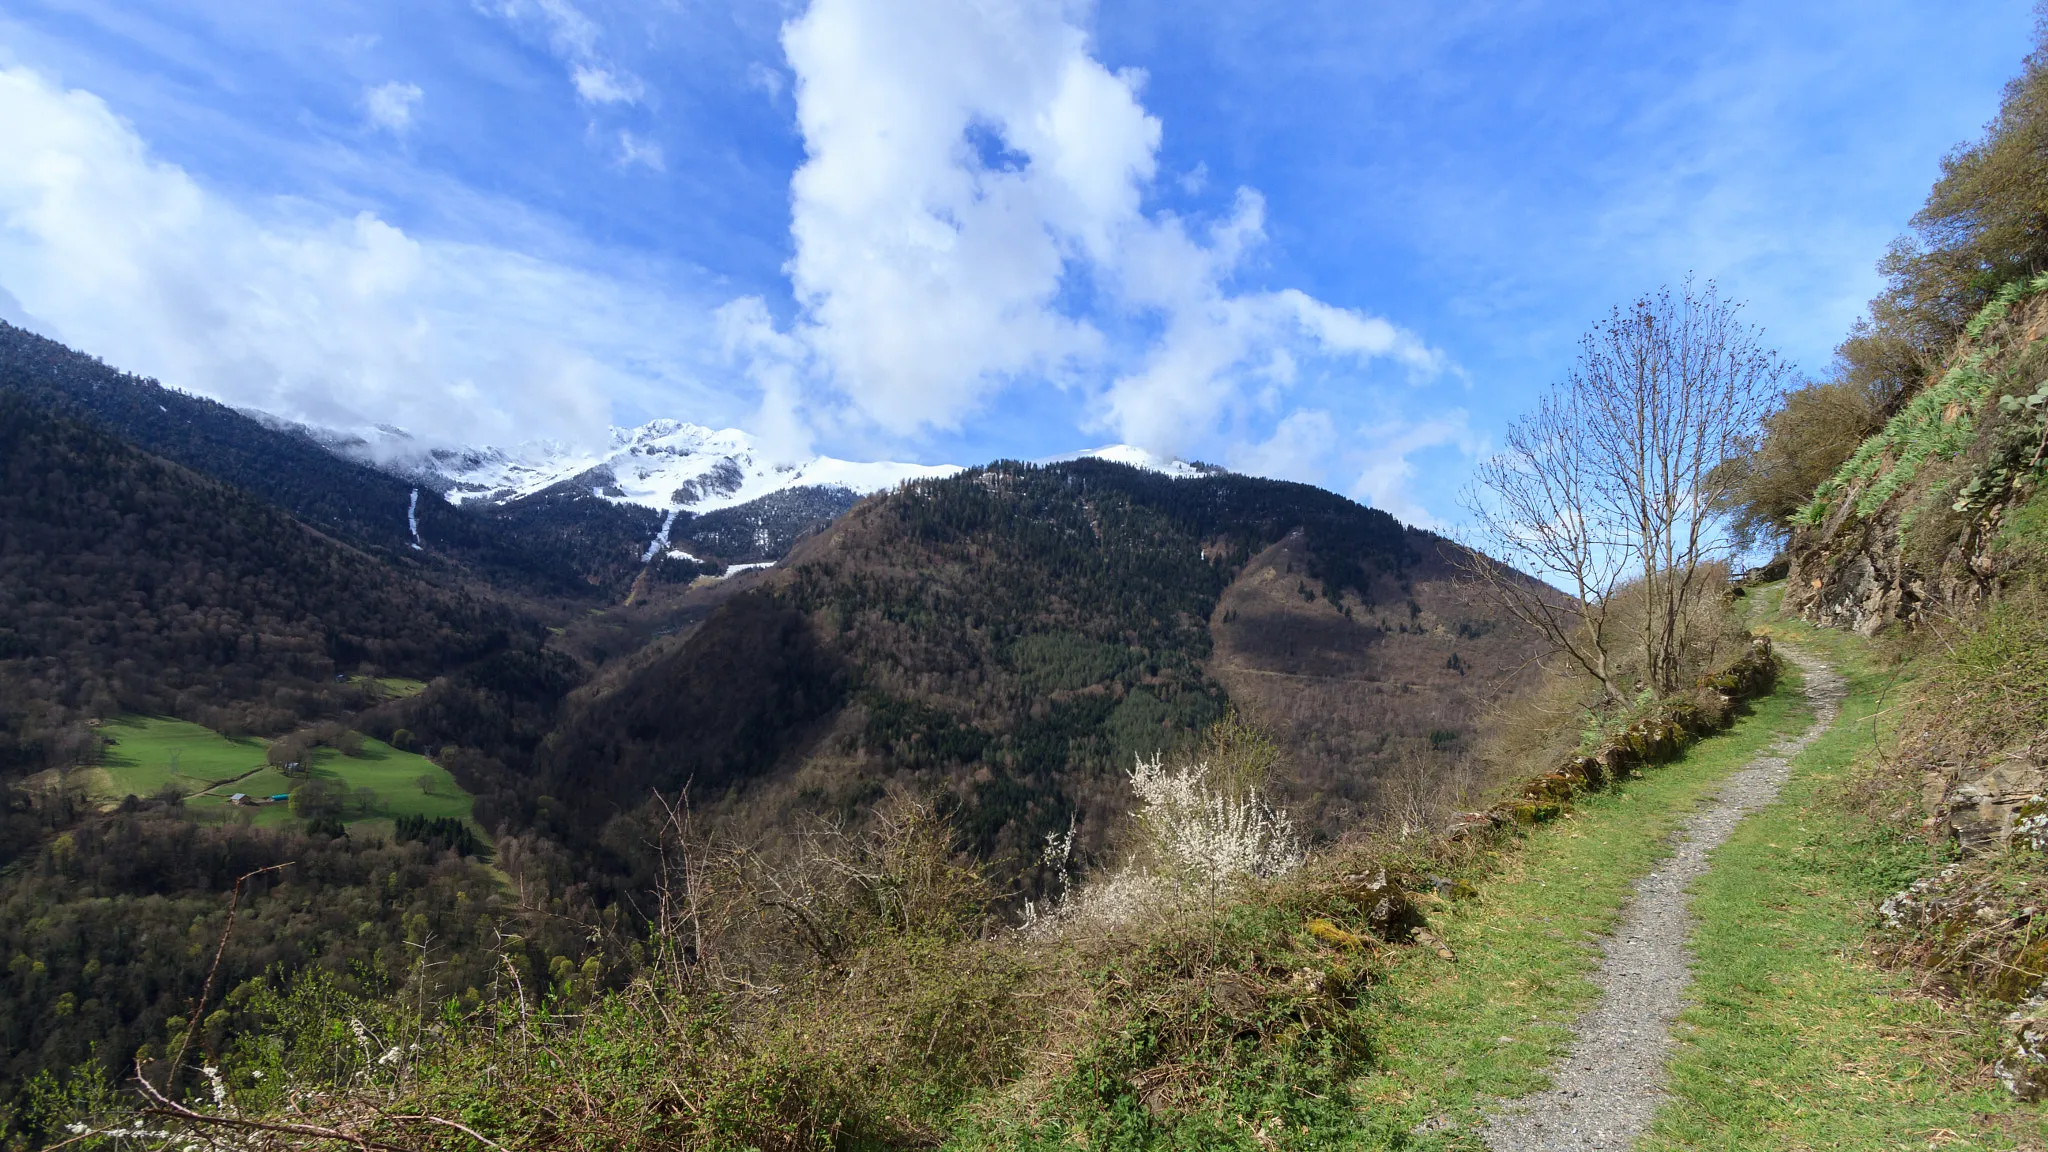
{"x": 149, "y": 753}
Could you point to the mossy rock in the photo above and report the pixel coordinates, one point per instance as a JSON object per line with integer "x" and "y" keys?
{"x": 1329, "y": 933}
{"x": 1556, "y": 786}
{"x": 2022, "y": 974}
{"x": 1534, "y": 812}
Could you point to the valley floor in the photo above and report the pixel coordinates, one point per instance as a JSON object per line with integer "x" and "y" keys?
{"x": 1790, "y": 1039}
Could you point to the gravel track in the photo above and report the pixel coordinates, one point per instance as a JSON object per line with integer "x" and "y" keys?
{"x": 1610, "y": 1084}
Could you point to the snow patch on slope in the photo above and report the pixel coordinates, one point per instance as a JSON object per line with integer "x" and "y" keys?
{"x": 665, "y": 464}
{"x": 1138, "y": 457}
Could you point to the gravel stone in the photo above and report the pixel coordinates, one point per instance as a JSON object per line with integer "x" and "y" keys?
{"x": 1605, "y": 1091}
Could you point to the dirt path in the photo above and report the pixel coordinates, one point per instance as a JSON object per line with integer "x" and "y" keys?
{"x": 1610, "y": 1084}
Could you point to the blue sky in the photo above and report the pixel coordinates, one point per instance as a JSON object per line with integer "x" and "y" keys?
{"x": 1337, "y": 242}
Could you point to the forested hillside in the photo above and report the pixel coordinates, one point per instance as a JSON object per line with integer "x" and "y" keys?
{"x": 128, "y": 584}
{"x": 591, "y": 549}
{"x": 1010, "y": 638}
{"x": 1003, "y": 645}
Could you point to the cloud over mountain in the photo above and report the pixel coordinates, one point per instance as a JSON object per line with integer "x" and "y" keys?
{"x": 973, "y": 215}
{"x": 343, "y": 320}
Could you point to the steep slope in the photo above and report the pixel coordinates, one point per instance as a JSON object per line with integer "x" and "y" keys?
{"x": 343, "y": 499}
{"x": 375, "y": 510}
{"x": 1376, "y": 693}
{"x": 1927, "y": 516}
{"x": 1012, "y": 637}
{"x": 129, "y": 583}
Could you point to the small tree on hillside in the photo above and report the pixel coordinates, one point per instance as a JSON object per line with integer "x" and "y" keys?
{"x": 1614, "y": 482}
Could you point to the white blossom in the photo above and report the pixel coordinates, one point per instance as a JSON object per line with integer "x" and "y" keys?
{"x": 1196, "y": 841}
{"x": 1206, "y": 838}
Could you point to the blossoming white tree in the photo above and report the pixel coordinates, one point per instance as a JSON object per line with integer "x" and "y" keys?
{"x": 1198, "y": 834}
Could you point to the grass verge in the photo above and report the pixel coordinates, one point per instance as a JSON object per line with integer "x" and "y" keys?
{"x": 1795, "y": 1040}
{"x": 1453, "y": 1036}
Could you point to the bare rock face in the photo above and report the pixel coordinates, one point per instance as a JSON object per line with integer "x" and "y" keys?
{"x": 2023, "y": 1067}
{"x": 1855, "y": 593}
{"x": 1982, "y": 806}
{"x": 1857, "y": 576}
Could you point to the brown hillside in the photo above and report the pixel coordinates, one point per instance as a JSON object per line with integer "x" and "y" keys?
{"x": 1362, "y": 687}
{"x": 1010, "y": 640}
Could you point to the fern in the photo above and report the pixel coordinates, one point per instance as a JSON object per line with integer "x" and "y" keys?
{"x": 1937, "y": 424}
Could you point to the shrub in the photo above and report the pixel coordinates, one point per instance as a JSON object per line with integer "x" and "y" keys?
{"x": 1804, "y": 442}
{"x": 1201, "y": 827}
{"x": 1202, "y": 833}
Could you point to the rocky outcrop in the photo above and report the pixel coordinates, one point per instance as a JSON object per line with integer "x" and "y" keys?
{"x": 2023, "y": 1066}
{"x": 1977, "y": 929}
{"x": 1857, "y": 576}
{"x": 1910, "y": 523}
{"x": 1982, "y": 806}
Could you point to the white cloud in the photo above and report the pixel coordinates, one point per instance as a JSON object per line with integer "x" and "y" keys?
{"x": 769, "y": 80}
{"x": 391, "y": 105}
{"x": 642, "y": 151}
{"x": 343, "y": 320}
{"x": 1298, "y": 449}
{"x": 775, "y": 362}
{"x": 572, "y": 37}
{"x": 969, "y": 167}
{"x": 604, "y": 86}
{"x": 1383, "y": 452}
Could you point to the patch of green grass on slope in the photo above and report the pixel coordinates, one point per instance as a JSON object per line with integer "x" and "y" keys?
{"x": 1794, "y": 1039}
{"x": 1451, "y": 1036}
{"x": 152, "y": 751}
{"x": 393, "y": 775}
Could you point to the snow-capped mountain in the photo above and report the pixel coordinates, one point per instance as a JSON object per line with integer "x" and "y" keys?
{"x": 669, "y": 488}
{"x": 672, "y": 464}
{"x": 1138, "y": 457}
{"x": 663, "y": 464}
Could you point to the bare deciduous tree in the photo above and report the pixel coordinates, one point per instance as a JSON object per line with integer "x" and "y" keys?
{"x": 1614, "y": 481}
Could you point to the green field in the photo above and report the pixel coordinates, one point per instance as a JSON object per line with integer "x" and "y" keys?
{"x": 392, "y": 687}
{"x": 151, "y": 752}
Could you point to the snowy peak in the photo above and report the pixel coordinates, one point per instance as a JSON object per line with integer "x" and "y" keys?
{"x": 1138, "y": 457}
{"x": 663, "y": 464}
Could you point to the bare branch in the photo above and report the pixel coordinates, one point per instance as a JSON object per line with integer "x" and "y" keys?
{"x": 1616, "y": 480}
{"x": 206, "y": 991}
